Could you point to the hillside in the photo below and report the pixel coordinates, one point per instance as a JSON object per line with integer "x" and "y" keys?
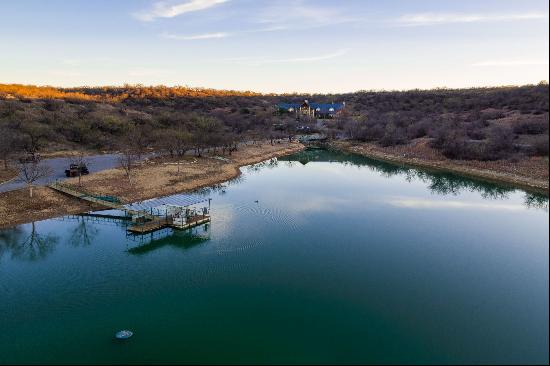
{"x": 483, "y": 124}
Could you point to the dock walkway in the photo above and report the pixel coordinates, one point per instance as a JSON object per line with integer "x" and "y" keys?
{"x": 153, "y": 222}
{"x": 66, "y": 189}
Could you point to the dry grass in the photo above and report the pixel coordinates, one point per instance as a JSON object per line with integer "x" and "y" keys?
{"x": 68, "y": 153}
{"x": 7, "y": 174}
{"x": 152, "y": 179}
{"x": 16, "y": 207}
{"x": 160, "y": 177}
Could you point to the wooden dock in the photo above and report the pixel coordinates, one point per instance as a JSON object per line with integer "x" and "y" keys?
{"x": 68, "y": 190}
{"x": 152, "y": 223}
{"x": 167, "y": 222}
{"x": 192, "y": 222}
{"x": 150, "y": 226}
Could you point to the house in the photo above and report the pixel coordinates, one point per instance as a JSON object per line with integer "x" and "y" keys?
{"x": 315, "y": 110}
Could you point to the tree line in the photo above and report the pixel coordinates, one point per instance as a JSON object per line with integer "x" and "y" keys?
{"x": 469, "y": 124}
{"x": 477, "y": 123}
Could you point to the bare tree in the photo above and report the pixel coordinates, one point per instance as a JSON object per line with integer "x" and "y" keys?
{"x": 229, "y": 141}
{"x": 80, "y": 161}
{"x": 33, "y": 139}
{"x": 139, "y": 139}
{"x": 128, "y": 160}
{"x": 9, "y": 144}
{"x": 291, "y": 129}
{"x": 184, "y": 141}
{"x": 132, "y": 148}
{"x": 165, "y": 142}
{"x": 205, "y": 133}
{"x": 32, "y": 169}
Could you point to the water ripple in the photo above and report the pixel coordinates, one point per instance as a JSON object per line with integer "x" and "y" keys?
{"x": 270, "y": 215}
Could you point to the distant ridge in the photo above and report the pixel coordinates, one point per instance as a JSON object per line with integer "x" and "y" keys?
{"x": 115, "y": 94}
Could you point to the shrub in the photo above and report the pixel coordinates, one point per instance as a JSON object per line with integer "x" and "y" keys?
{"x": 499, "y": 144}
{"x": 393, "y": 135}
{"x": 531, "y": 127}
{"x": 541, "y": 145}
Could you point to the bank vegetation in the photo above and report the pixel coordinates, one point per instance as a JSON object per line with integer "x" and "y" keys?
{"x": 502, "y": 128}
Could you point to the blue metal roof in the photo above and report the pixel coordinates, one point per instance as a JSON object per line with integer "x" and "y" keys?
{"x": 177, "y": 200}
{"x": 288, "y": 105}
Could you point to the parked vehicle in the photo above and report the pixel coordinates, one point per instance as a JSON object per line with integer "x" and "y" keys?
{"x": 75, "y": 170}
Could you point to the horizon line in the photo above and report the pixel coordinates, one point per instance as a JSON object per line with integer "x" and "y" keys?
{"x": 140, "y": 85}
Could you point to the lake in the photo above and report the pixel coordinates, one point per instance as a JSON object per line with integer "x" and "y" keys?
{"x": 319, "y": 257}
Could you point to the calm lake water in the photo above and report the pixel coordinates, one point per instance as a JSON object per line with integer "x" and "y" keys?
{"x": 341, "y": 259}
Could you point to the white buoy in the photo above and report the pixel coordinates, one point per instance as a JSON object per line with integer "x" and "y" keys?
{"x": 124, "y": 334}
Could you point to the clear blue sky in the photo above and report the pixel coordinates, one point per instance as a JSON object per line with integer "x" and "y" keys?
{"x": 279, "y": 45}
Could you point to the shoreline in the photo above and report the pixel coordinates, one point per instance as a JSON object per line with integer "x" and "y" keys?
{"x": 158, "y": 178}
{"x": 528, "y": 184}
{"x": 17, "y": 208}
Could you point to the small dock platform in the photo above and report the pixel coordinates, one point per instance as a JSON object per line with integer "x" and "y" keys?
{"x": 149, "y": 226}
{"x": 167, "y": 222}
{"x": 192, "y": 222}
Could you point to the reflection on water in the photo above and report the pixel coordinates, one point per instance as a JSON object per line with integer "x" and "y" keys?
{"x": 267, "y": 164}
{"x": 449, "y": 204}
{"x": 27, "y": 243}
{"x": 320, "y": 257}
{"x": 220, "y": 188}
{"x": 441, "y": 183}
{"x": 168, "y": 237}
{"x": 83, "y": 233}
{"x": 536, "y": 201}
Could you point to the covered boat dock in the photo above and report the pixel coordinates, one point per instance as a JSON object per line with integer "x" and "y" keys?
{"x": 179, "y": 212}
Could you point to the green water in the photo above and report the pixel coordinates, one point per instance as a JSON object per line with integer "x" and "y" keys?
{"x": 340, "y": 260}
